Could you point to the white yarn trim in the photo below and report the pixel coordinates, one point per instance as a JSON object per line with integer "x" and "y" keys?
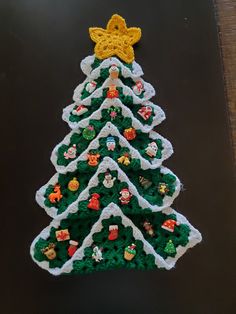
{"x": 194, "y": 237}
{"x": 106, "y": 164}
{"x": 158, "y": 117}
{"x": 148, "y": 90}
{"x": 111, "y": 130}
{"x": 40, "y": 198}
{"x": 113, "y": 210}
{"x": 125, "y": 71}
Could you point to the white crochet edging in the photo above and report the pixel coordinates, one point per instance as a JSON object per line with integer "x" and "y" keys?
{"x": 40, "y": 198}
{"x": 158, "y": 117}
{"x": 106, "y": 164}
{"x": 113, "y": 210}
{"x": 194, "y": 237}
{"x": 86, "y": 63}
{"x": 111, "y": 130}
{"x": 149, "y": 91}
{"x": 126, "y": 112}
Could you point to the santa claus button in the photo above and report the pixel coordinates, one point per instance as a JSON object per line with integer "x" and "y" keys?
{"x": 125, "y": 196}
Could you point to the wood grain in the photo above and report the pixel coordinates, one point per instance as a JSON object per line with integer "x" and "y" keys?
{"x": 226, "y": 17}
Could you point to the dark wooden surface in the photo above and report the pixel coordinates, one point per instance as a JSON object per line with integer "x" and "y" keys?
{"x": 42, "y": 43}
{"x": 226, "y": 16}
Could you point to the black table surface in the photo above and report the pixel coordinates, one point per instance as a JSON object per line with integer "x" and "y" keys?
{"x": 42, "y": 44}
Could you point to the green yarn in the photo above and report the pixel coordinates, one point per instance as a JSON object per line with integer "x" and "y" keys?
{"x": 96, "y": 63}
{"x": 104, "y": 73}
{"x": 127, "y": 81}
{"x": 113, "y": 251}
{"x": 111, "y": 195}
{"x": 162, "y": 236}
{"x": 131, "y": 251}
{"x": 127, "y": 100}
{"x": 95, "y": 104}
{"x": 170, "y": 248}
{"x": 100, "y": 80}
{"x": 80, "y": 223}
{"x": 68, "y": 196}
{"x": 84, "y": 92}
{"x": 78, "y": 229}
{"x": 151, "y": 194}
{"x": 140, "y": 142}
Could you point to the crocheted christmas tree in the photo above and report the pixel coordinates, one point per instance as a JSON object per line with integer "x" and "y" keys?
{"x": 110, "y": 197}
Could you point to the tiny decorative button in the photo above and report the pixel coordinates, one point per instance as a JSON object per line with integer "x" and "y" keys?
{"x": 71, "y": 152}
{"x": 93, "y": 159}
{"x": 55, "y": 196}
{"x": 149, "y": 228}
{"x": 114, "y": 71}
{"x": 124, "y": 159}
{"x": 129, "y": 134}
{"x": 138, "y": 88}
{"x": 73, "y": 185}
{"x": 113, "y": 232}
{"x": 62, "y": 235}
{"x": 91, "y": 86}
{"x": 170, "y": 248}
{"x": 108, "y": 181}
{"x": 89, "y": 132}
{"x": 94, "y": 202}
{"x": 111, "y": 143}
{"x": 170, "y": 224}
{"x": 130, "y": 252}
{"x": 151, "y": 149}
{"x": 125, "y": 196}
{"x": 81, "y": 109}
{"x": 113, "y": 111}
{"x": 72, "y": 248}
{"x": 49, "y": 251}
{"x": 144, "y": 182}
{"x": 97, "y": 254}
{"x": 112, "y": 92}
{"x": 163, "y": 188}
{"x": 145, "y": 112}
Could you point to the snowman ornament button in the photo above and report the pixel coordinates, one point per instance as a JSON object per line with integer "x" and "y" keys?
{"x": 108, "y": 181}
{"x": 111, "y": 143}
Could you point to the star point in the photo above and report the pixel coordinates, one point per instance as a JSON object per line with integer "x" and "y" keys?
{"x": 116, "y": 40}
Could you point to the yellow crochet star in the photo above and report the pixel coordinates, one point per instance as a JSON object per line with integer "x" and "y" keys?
{"x": 116, "y": 39}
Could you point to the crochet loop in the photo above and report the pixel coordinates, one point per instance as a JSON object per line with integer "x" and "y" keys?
{"x": 116, "y": 39}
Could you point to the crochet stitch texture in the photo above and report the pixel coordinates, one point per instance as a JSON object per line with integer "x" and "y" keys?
{"x": 110, "y": 198}
{"x": 116, "y": 39}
